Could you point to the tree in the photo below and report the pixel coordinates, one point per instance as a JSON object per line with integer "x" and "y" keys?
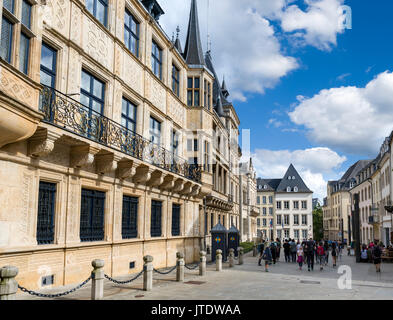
{"x": 317, "y": 219}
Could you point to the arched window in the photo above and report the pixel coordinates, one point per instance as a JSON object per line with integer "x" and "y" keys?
{"x": 295, "y": 189}
{"x": 288, "y": 189}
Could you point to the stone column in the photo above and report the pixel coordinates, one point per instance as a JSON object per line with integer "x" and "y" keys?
{"x": 202, "y": 264}
{"x": 97, "y": 278}
{"x": 148, "y": 273}
{"x": 219, "y": 260}
{"x": 8, "y": 284}
{"x": 241, "y": 252}
{"x": 180, "y": 267}
{"x": 254, "y": 250}
{"x": 231, "y": 258}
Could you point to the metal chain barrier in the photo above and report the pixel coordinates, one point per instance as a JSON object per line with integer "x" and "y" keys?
{"x": 123, "y": 282}
{"x": 192, "y": 267}
{"x": 42, "y": 295}
{"x": 165, "y": 272}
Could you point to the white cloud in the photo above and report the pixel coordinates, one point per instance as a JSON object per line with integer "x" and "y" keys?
{"x": 318, "y": 25}
{"x": 349, "y": 119}
{"x": 315, "y": 165}
{"x": 245, "y": 47}
{"x": 342, "y": 77}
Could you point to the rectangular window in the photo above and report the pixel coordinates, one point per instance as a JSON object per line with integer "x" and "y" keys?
{"x": 156, "y": 60}
{"x": 304, "y": 234}
{"x": 296, "y": 219}
{"x": 211, "y": 221}
{"x": 304, "y": 204}
{"x": 264, "y": 211}
{"x": 279, "y": 205}
{"x": 206, "y": 222}
{"x": 264, "y": 222}
{"x": 156, "y": 216}
{"x": 296, "y": 204}
{"x": 193, "y": 92}
{"x": 129, "y": 223}
{"x": 205, "y": 93}
{"x": 195, "y": 144}
{"x": 286, "y": 233}
{"x": 6, "y": 40}
{"x": 175, "y": 220}
{"x": 46, "y": 213}
{"x": 189, "y": 91}
{"x": 24, "y": 53}
{"x": 271, "y": 211}
{"x": 258, "y": 222}
{"x": 92, "y": 215}
{"x": 155, "y": 131}
{"x": 48, "y": 65}
{"x": 279, "y": 219}
{"x": 286, "y": 205}
{"x": 92, "y": 93}
{"x": 296, "y": 234}
{"x": 209, "y": 95}
{"x": 175, "y": 143}
{"x": 286, "y": 220}
{"x": 9, "y": 5}
{"x": 270, "y": 200}
{"x": 175, "y": 80}
{"x": 258, "y": 200}
{"x": 264, "y": 199}
{"x": 131, "y": 33}
{"x": 26, "y": 14}
{"x": 279, "y": 234}
{"x": 304, "y": 219}
{"x": 196, "y": 92}
{"x": 99, "y": 9}
{"x": 128, "y": 115}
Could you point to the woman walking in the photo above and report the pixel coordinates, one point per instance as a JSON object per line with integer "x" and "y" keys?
{"x": 267, "y": 256}
{"x": 300, "y": 257}
{"x": 334, "y": 254}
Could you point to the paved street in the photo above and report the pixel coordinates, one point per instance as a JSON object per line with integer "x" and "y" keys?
{"x": 248, "y": 281}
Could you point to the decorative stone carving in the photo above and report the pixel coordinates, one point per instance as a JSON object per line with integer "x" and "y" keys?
{"x": 195, "y": 191}
{"x": 42, "y": 143}
{"x": 106, "y": 163}
{"x": 82, "y": 156}
{"x": 125, "y": 170}
{"x": 187, "y": 188}
{"x": 179, "y": 186}
{"x": 156, "y": 179}
{"x": 168, "y": 183}
{"x": 142, "y": 175}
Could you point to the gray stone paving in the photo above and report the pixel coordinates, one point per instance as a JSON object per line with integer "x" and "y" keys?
{"x": 250, "y": 282}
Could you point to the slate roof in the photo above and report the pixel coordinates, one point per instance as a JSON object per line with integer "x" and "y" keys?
{"x": 193, "y": 53}
{"x": 350, "y": 175}
{"x": 292, "y": 179}
{"x": 281, "y": 185}
{"x": 219, "y": 228}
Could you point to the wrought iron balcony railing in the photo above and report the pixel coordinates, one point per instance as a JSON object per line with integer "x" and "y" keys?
{"x": 69, "y": 114}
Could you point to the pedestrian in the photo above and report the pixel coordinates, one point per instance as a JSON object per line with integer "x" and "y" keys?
{"x": 326, "y": 247}
{"x": 363, "y": 254}
{"x": 377, "y": 253}
{"x": 321, "y": 255}
{"x": 273, "y": 252}
{"x": 293, "y": 249}
{"x": 300, "y": 257}
{"x": 261, "y": 249}
{"x": 310, "y": 249}
{"x": 334, "y": 254}
{"x": 278, "y": 246}
{"x": 267, "y": 256}
{"x": 298, "y": 245}
{"x": 287, "y": 251}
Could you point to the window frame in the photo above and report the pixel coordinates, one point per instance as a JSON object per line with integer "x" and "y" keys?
{"x": 91, "y": 95}
{"x": 94, "y": 13}
{"x": 126, "y": 116}
{"x": 92, "y": 197}
{"x": 44, "y": 69}
{"x": 156, "y": 61}
{"x": 131, "y": 20}
{"x": 152, "y": 132}
{"x": 175, "y": 80}
{"x": 26, "y": 53}
{"x": 11, "y": 37}
{"x": 51, "y": 188}
{"x": 130, "y": 230}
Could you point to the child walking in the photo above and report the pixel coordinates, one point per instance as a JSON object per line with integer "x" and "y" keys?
{"x": 267, "y": 256}
{"x": 300, "y": 257}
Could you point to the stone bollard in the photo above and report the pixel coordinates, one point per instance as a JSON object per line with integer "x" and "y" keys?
{"x": 148, "y": 273}
{"x": 254, "y": 250}
{"x": 219, "y": 260}
{"x": 97, "y": 278}
{"x": 8, "y": 284}
{"x": 180, "y": 267}
{"x": 240, "y": 250}
{"x": 202, "y": 264}
{"x": 231, "y": 258}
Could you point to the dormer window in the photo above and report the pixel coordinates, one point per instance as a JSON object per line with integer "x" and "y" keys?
{"x": 288, "y": 189}
{"x": 289, "y": 178}
{"x": 293, "y": 178}
{"x": 296, "y": 189}
{"x": 265, "y": 187}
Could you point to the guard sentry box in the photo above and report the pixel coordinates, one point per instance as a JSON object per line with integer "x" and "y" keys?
{"x": 219, "y": 241}
{"x": 233, "y": 239}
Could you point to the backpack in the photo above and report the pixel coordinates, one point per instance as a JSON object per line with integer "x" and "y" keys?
{"x": 320, "y": 251}
{"x": 377, "y": 252}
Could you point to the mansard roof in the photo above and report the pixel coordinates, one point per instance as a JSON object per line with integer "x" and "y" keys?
{"x": 267, "y": 184}
{"x": 193, "y": 52}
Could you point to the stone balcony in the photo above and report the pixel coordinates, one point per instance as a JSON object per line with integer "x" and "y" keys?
{"x": 254, "y": 212}
{"x": 97, "y": 141}
{"x": 218, "y": 203}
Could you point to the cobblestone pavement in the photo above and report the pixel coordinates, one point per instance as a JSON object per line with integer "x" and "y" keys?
{"x": 250, "y": 282}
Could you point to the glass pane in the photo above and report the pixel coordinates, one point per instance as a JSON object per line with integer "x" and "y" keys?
{"x": 90, "y": 6}
{"x": 98, "y": 88}
{"x": 97, "y": 106}
{"x": 85, "y": 81}
{"x": 101, "y": 13}
{"x": 85, "y": 100}
{"x": 47, "y": 57}
{"x": 133, "y": 46}
{"x": 26, "y": 13}
{"x": 189, "y": 83}
{"x": 189, "y": 98}
{"x": 134, "y": 27}
{"x": 123, "y": 121}
{"x": 46, "y": 79}
{"x": 196, "y": 81}
{"x": 127, "y": 39}
{"x": 6, "y": 39}
{"x": 127, "y": 19}
{"x": 196, "y": 98}
{"x": 9, "y": 5}
{"x": 124, "y": 107}
{"x": 24, "y": 53}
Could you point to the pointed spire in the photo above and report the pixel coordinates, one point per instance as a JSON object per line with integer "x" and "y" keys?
{"x": 224, "y": 89}
{"x": 193, "y": 50}
{"x": 177, "y": 42}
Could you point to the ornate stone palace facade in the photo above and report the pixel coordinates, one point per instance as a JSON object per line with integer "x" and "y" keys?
{"x": 98, "y": 109}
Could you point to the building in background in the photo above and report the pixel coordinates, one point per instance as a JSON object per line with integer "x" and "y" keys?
{"x": 115, "y": 142}
{"x": 292, "y": 209}
{"x": 315, "y": 202}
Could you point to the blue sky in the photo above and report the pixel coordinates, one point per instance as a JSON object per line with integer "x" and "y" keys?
{"x": 301, "y": 89}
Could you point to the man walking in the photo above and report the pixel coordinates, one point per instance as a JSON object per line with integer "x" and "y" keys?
{"x": 261, "y": 249}
{"x": 326, "y": 247}
{"x": 310, "y": 252}
{"x": 287, "y": 251}
{"x": 292, "y": 244}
